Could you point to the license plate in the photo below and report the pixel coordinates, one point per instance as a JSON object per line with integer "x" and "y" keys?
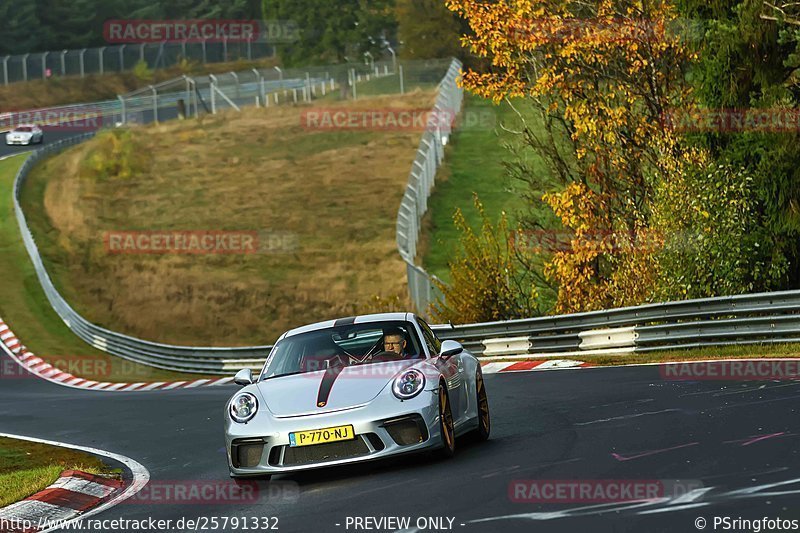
{"x": 320, "y": 436}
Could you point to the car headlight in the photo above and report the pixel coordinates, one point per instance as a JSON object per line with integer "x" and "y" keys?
{"x": 408, "y": 384}
{"x": 243, "y": 407}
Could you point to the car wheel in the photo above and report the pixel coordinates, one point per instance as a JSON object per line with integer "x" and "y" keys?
{"x": 447, "y": 431}
{"x": 484, "y": 416}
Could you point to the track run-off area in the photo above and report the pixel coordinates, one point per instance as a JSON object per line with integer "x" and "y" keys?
{"x": 707, "y": 449}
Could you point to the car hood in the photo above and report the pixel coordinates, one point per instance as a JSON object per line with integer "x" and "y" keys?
{"x": 352, "y": 386}
{"x": 20, "y": 134}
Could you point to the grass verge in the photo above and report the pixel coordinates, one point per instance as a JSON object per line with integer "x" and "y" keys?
{"x": 29, "y": 467}
{"x": 322, "y": 202}
{"x": 474, "y": 164}
{"x": 28, "y": 313}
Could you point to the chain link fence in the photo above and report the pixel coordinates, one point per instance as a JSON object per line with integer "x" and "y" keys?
{"x": 430, "y": 155}
{"x": 118, "y": 58}
{"x": 189, "y": 97}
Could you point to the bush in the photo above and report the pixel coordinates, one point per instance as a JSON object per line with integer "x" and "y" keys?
{"x": 487, "y": 282}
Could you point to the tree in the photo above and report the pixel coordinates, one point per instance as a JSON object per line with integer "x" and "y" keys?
{"x": 602, "y": 75}
{"x": 20, "y": 28}
{"x": 427, "y": 29}
{"x": 331, "y": 32}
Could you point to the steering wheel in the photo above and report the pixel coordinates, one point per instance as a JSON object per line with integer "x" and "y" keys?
{"x": 385, "y": 355}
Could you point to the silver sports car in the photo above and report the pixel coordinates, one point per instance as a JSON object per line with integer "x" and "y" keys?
{"x": 351, "y": 390}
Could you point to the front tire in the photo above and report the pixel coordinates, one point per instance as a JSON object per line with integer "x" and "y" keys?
{"x": 447, "y": 432}
{"x": 484, "y": 416}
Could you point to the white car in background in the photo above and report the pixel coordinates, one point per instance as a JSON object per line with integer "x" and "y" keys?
{"x": 25, "y": 135}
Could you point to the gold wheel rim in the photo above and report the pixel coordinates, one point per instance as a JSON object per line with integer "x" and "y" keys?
{"x": 447, "y": 418}
{"x": 483, "y": 403}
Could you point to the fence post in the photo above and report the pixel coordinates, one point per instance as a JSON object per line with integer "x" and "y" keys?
{"x": 63, "y": 62}
{"x": 204, "y": 51}
{"x": 44, "y": 65}
{"x": 261, "y": 89}
{"x": 122, "y": 57}
{"x": 236, "y": 77}
{"x": 155, "y": 103}
{"x": 100, "y": 58}
{"x": 122, "y": 107}
{"x": 213, "y": 91}
{"x": 25, "y": 67}
{"x": 402, "y": 81}
{"x": 183, "y": 49}
{"x": 80, "y": 58}
{"x": 280, "y": 73}
{"x": 225, "y": 48}
{"x": 5, "y": 70}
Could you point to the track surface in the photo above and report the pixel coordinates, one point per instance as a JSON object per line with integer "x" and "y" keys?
{"x": 622, "y": 423}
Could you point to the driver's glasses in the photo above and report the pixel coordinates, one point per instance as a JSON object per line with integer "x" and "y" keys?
{"x": 390, "y": 343}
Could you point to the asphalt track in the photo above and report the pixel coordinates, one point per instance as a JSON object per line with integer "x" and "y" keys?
{"x": 606, "y": 424}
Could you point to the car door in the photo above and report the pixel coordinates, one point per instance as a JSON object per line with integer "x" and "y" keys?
{"x": 453, "y": 371}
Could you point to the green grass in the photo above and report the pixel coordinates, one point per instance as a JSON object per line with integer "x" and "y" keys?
{"x": 28, "y": 467}
{"x": 473, "y": 165}
{"x": 24, "y": 306}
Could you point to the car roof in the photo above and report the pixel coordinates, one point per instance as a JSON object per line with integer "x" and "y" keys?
{"x": 24, "y": 126}
{"x": 361, "y": 319}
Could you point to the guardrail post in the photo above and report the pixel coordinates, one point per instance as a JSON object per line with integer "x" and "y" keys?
{"x": 236, "y": 77}
{"x": 280, "y": 73}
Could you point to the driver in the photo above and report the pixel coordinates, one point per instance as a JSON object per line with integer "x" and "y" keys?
{"x": 394, "y": 340}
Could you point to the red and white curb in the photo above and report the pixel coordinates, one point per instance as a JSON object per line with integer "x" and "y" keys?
{"x": 42, "y": 369}
{"x": 529, "y": 366}
{"x": 73, "y": 496}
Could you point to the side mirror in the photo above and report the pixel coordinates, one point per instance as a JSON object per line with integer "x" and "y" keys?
{"x": 450, "y": 348}
{"x": 243, "y": 377}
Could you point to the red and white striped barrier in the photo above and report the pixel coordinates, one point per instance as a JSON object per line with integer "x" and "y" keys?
{"x": 41, "y": 368}
{"x": 529, "y": 366}
{"x": 73, "y": 494}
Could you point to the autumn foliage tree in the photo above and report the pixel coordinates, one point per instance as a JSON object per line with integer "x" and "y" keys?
{"x": 603, "y": 74}
{"x": 487, "y": 282}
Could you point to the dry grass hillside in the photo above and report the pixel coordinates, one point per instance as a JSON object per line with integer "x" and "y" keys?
{"x": 323, "y": 204}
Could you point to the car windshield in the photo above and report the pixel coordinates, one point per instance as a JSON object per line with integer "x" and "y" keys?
{"x": 24, "y": 129}
{"x": 354, "y": 344}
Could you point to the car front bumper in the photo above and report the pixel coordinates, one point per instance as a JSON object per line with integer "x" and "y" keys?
{"x": 384, "y": 430}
